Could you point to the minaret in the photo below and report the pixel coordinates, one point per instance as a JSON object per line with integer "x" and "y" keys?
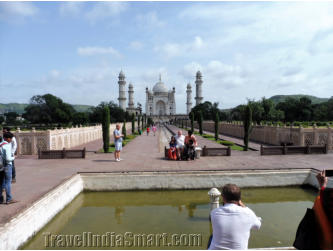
{"x": 130, "y": 96}
{"x": 189, "y": 99}
{"x": 198, "y": 85}
{"x": 122, "y": 91}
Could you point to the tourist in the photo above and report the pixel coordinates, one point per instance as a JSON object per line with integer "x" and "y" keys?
{"x": 233, "y": 221}
{"x": 148, "y": 129}
{"x": 118, "y": 142}
{"x": 315, "y": 231}
{"x": 180, "y": 138}
{"x": 14, "y": 148}
{"x": 190, "y": 145}
{"x": 172, "y": 153}
{"x": 154, "y": 129}
{"x": 7, "y": 158}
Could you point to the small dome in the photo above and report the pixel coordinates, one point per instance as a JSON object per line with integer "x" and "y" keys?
{"x": 199, "y": 74}
{"x": 130, "y": 85}
{"x": 189, "y": 86}
{"x": 121, "y": 74}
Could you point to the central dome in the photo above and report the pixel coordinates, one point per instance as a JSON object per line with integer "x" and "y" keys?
{"x": 160, "y": 87}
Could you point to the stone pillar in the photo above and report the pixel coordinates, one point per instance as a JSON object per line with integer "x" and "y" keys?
{"x": 198, "y": 85}
{"x": 301, "y": 136}
{"x": 214, "y": 195}
{"x": 315, "y": 135}
{"x": 189, "y": 98}
{"x": 130, "y": 96}
{"x": 122, "y": 92}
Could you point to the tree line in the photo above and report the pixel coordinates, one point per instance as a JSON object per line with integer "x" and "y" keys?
{"x": 51, "y": 110}
{"x": 290, "y": 110}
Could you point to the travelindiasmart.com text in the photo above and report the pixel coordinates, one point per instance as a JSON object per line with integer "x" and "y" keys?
{"x": 127, "y": 239}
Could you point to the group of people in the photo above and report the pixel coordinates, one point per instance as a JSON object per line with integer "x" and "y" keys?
{"x": 182, "y": 147}
{"x": 153, "y": 128}
{"x": 8, "y": 148}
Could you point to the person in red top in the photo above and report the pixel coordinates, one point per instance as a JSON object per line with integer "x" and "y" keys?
{"x": 148, "y": 129}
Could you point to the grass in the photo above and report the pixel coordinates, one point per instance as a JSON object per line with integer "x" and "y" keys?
{"x": 128, "y": 139}
{"x": 222, "y": 142}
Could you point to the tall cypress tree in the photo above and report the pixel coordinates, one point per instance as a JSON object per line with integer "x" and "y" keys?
{"x": 247, "y": 122}
{"x": 192, "y": 121}
{"x": 106, "y": 128}
{"x": 124, "y": 129}
{"x": 217, "y": 121}
{"x": 133, "y": 123}
{"x": 139, "y": 120}
{"x": 200, "y": 120}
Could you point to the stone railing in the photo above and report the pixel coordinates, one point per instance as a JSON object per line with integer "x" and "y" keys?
{"x": 275, "y": 135}
{"x": 28, "y": 142}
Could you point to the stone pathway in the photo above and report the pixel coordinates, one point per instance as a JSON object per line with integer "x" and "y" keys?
{"x": 37, "y": 177}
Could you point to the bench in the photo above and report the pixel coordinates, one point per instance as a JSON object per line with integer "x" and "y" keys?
{"x": 218, "y": 151}
{"x": 62, "y": 154}
{"x": 198, "y": 151}
{"x": 284, "y": 150}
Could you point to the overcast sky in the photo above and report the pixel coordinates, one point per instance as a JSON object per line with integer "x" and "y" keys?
{"x": 244, "y": 49}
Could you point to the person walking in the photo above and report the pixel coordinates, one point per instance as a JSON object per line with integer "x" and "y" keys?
{"x": 7, "y": 158}
{"x": 233, "y": 221}
{"x": 148, "y": 129}
{"x": 118, "y": 142}
{"x": 154, "y": 129}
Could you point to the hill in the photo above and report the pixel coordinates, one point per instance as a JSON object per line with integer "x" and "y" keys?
{"x": 280, "y": 98}
{"x": 19, "y": 108}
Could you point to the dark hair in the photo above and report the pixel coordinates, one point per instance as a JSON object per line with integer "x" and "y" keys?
{"x": 0, "y": 138}
{"x": 6, "y": 128}
{"x": 8, "y": 135}
{"x": 231, "y": 192}
{"x": 328, "y": 202}
{"x": 190, "y": 132}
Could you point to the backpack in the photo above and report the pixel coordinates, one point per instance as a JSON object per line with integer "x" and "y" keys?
{"x": 2, "y": 161}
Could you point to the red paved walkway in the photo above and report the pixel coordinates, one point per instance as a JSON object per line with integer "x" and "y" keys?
{"x": 37, "y": 177}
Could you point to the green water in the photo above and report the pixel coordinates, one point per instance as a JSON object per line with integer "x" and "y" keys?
{"x": 170, "y": 212}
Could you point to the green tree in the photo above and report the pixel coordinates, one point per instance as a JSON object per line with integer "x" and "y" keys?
{"x": 48, "y": 109}
{"x": 124, "y": 130}
{"x": 81, "y": 118}
{"x": 106, "y": 128}
{"x": 217, "y": 122}
{"x": 139, "y": 120}
{"x": 200, "y": 121}
{"x": 2, "y": 119}
{"x": 247, "y": 126}
{"x": 133, "y": 123}
{"x": 142, "y": 123}
{"x": 11, "y": 118}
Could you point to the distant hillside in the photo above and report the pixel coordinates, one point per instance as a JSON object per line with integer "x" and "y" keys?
{"x": 280, "y": 98}
{"x": 19, "y": 108}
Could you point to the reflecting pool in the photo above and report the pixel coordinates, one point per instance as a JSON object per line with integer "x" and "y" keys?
{"x": 167, "y": 219}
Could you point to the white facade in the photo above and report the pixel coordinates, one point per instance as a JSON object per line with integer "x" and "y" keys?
{"x": 160, "y": 101}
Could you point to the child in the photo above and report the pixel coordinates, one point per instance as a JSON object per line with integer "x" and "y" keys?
{"x": 172, "y": 153}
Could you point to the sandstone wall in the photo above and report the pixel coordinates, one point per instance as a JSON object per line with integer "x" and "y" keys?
{"x": 30, "y": 141}
{"x": 275, "y": 135}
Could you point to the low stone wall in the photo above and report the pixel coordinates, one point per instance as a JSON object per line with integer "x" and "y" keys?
{"x": 28, "y": 142}
{"x": 275, "y": 135}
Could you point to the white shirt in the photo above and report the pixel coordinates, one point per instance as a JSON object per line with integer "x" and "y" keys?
{"x": 6, "y": 152}
{"x": 180, "y": 140}
{"x": 231, "y": 226}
